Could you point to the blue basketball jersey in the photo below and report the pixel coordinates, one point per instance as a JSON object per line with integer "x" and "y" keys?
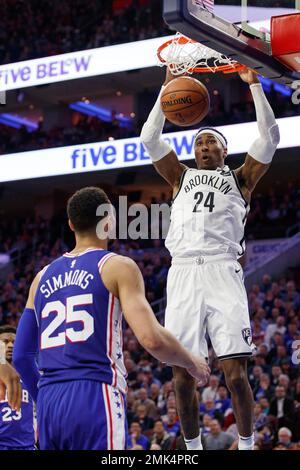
{"x": 16, "y": 427}
{"x": 79, "y": 321}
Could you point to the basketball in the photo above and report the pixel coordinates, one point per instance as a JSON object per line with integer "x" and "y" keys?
{"x": 185, "y": 101}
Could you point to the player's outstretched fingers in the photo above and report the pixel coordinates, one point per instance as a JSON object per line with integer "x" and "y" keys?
{"x": 204, "y": 380}
{"x": 200, "y": 370}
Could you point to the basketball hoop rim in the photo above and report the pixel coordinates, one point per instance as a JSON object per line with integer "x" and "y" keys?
{"x": 226, "y": 69}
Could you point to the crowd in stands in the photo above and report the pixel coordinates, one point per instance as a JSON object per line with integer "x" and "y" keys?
{"x": 85, "y": 129}
{"x": 274, "y": 378}
{"x": 38, "y": 29}
{"x": 275, "y": 211}
{"x": 33, "y": 243}
{"x": 274, "y": 306}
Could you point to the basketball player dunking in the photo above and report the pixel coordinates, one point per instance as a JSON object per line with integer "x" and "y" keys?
{"x": 73, "y": 320}
{"x": 205, "y": 289}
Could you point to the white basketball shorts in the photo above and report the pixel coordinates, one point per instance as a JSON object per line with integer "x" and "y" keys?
{"x": 206, "y": 295}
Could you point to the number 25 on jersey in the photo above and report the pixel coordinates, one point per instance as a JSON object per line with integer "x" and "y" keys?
{"x": 67, "y": 314}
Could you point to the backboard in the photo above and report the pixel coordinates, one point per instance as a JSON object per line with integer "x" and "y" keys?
{"x": 239, "y": 29}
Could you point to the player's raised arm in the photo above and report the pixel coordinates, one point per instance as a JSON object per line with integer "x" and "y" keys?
{"x": 122, "y": 277}
{"x": 261, "y": 152}
{"x": 163, "y": 157}
{"x": 26, "y": 344}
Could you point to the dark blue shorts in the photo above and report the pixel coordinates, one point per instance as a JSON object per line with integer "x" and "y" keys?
{"x": 81, "y": 415}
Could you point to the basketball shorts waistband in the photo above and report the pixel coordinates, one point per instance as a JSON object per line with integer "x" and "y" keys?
{"x": 203, "y": 259}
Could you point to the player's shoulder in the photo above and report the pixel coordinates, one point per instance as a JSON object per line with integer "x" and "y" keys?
{"x": 116, "y": 261}
{"x": 33, "y": 287}
{"x": 39, "y": 276}
{"x": 119, "y": 270}
{"x": 119, "y": 267}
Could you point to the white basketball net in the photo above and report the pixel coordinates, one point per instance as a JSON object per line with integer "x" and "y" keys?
{"x": 183, "y": 58}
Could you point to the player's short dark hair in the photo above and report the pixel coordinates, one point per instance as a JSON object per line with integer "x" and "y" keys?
{"x": 211, "y": 129}
{"x": 82, "y": 207}
{"x": 7, "y": 329}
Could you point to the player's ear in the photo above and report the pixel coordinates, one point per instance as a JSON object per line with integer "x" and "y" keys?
{"x": 71, "y": 225}
{"x": 225, "y": 153}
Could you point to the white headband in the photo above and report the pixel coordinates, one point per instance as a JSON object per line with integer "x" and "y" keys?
{"x": 215, "y": 134}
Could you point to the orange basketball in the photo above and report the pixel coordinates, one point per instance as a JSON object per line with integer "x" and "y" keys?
{"x": 185, "y": 101}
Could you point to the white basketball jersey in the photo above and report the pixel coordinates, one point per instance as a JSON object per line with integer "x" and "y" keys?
{"x": 208, "y": 215}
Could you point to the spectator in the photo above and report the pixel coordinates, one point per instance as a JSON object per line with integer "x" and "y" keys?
{"x": 209, "y": 407}
{"x": 171, "y": 422}
{"x": 137, "y": 438}
{"x": 146, "y": 423}
{"x": 156, "y": 396}
{"x": 223, "y": 403}
{"x": 276, "y": 372}
{"x": 265, "y": 405}
{"x": 131, "y": 369}
{"x": 218, "y": 439}
{"x": 284, "y": 381}
{"x": 260, "y": 418}
{"x": 142, "y": 399}
{"x": 265, "y": 437}
{"x": 285, "y": 438}
{"x": 134, "y": 350}
{"x": 206, "y": 422}
{"x": 266, "y": 283}
{"x": 272, "y": 328}
{"x": 282, "y": 408}
{"x": 161, "y": 436}
{"x": 281, "y": 355}
{"x": 211, "y": 392}
{"x": 264, "y": 389}
{"x": 254, "y": 376}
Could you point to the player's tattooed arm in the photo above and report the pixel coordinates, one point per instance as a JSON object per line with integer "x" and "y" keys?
{"x": 171, "y": 170}
{"x": 249, "y": 174}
